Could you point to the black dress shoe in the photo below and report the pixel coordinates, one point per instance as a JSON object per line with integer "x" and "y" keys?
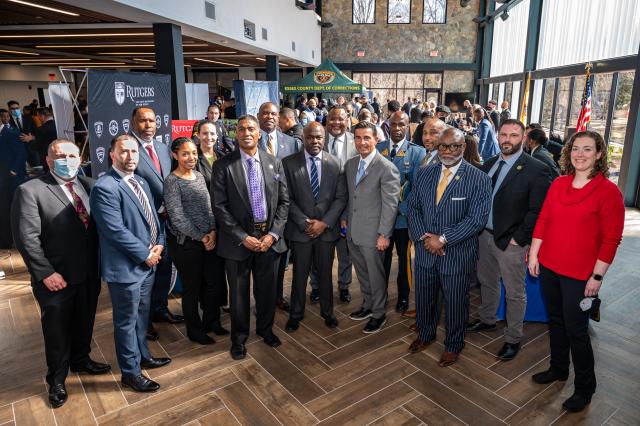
{"x": 140, "y": 383}
{"x": 168, "y": 317}
{"x": 374, "y": 325}
{"x": 331, "y": 322}
{"x": 551, "y": 375}
{"x": 220, "y": 331}
{"x": 509, "y": 351}
{"x": 152, "y": 333}
{"x": 91, "y": 367}
{"x": 478, "y": 325}
{"x": 314, "y": 297}
{"x": 576, "y": 402}
{"x": 238, "y": 351}
{"x": 154, "y": 362}
{"x": 57, "y": 395}
{"x": 283, "y": 305}
{"x": 360, "y": 314}
{"x": 201, "y": 338}
{"x": 345, "y": 297}
{"x": 271, "y": 340}
{"x": 292, "y": 325}
{"x": 402, "y": 305}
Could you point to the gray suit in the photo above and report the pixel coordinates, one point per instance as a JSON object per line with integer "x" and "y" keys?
{"x": 371, "y": 212}
{"x": 286, "y": 144}
{"x": 348, "y": 150}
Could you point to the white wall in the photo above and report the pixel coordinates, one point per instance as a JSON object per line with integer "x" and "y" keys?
{"x": 21, "y": 83}
{"x": 509, "y": 41}
{"x": 575, "y": 31}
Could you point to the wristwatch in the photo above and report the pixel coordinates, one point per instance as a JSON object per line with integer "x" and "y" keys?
{"x": 597, "y": 277}
{"x": 442, "y": 239}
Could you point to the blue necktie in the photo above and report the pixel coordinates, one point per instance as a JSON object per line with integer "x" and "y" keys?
{"x": 315, "y": 183}
{"x": 360, "y": 173}
{"x": 393, "y": 153}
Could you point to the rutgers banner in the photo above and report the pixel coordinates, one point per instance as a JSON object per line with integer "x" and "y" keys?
{"x": 112, "y": 96}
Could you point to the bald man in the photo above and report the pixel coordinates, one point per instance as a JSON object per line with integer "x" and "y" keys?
{"x": 431, "y": 133}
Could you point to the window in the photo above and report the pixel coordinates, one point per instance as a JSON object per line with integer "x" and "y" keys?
{"x": 508, "y": 90}
{"x": 364, "y": 12}
{"x": 362, "y": 78}
{"x": 619, "y": 122}
{"x": 433, "y": 81}
{"x": 600, "y": 102}
{"x": 400, "y": 86}
{"x": 399, "y": 12}
{"x": 494, "y": 94}
{"x": 547, "y": 103}
{"x": 435, "y": 12}
{"x": 562, "y": 104}
{"x": 578, "y": 91}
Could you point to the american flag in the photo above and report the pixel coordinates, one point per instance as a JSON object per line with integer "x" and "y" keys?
{"x": 585, "y": 105}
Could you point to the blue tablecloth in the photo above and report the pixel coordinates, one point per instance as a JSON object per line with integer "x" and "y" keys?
{"x": 535, "y": 311}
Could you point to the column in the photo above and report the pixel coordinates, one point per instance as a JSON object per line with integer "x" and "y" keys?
{"x": 169, "y": 60}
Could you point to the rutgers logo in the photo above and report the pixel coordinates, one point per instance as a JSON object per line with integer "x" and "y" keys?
{"x": 120, "y": 92}
{"x": 113, "y": 127}
{"x": 98, "y": 126}
{"x": 324, "y": 77}
{"x": 100, "y": 154}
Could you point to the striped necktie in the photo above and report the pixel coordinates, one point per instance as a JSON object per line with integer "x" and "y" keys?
{"x": 270, "y": 143}
{"x": 315, "y": 182}
{"x": 146, "y": 209}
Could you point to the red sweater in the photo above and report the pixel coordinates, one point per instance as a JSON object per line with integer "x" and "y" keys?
{"x": 579, "y": 226}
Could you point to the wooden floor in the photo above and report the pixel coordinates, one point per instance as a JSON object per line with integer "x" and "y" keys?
{"x": 329, "y": 377}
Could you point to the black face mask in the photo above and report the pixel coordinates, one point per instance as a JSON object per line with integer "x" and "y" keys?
{"x": 443, "y": 119}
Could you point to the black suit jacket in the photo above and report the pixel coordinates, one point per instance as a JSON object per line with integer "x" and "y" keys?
{"x": 28, "y": 126}
{"x": 49, "y": 234}
{"x": 542, "y": 154}
{"x": 45, "y": 134}
{"x": 205, "y": 168}
{"x": 519, "y": 199}
{"x": 232, "y": 207}
{"x": 331, "y": 202}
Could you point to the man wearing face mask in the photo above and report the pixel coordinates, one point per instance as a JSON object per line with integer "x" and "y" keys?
{"x": 48, "y": 213}
{"x": 25, "y": 125}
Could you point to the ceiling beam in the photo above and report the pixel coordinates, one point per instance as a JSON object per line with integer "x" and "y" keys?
{"x": 68, "y": 54}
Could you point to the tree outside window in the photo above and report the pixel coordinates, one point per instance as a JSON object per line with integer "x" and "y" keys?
{"x": 435, "y": 12}
{"x": 364, "y": 11}
{"x": 399, "y": 12}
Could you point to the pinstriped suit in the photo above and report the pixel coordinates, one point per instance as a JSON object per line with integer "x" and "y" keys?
{"x": 461, "y": 215}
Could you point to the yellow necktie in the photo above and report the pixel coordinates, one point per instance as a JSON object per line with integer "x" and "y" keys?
{"x": 443, "y": 184}
{"x": 270, "y": 146}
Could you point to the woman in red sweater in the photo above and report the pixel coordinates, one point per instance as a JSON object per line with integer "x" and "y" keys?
{"x": 574, "y": 242}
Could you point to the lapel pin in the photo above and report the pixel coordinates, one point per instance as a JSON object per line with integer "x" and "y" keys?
{"x": 276, "y": 177}
{"x": 519, "y": 168}
{"x": 457, "y": 177}
{"x": 271, "y": 166}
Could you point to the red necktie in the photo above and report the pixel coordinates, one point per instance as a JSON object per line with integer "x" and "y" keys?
{"x": 154, "y": 158}
{"x": 81, "y": 211}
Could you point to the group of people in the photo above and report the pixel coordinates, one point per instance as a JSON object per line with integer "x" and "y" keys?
{"x": 231, "y": 213}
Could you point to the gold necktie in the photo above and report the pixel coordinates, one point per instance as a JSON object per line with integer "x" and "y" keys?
{"x": 443, "y": 184}
{"x": 270, "y": 146}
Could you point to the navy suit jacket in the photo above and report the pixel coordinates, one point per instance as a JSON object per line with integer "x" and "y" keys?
{"x": 148, "y": 171}
{"x": 287, "y": 145}
{"x": 461, "y": 214}
{"x": 125, "y": 234}
{"x": 12, "y": 155}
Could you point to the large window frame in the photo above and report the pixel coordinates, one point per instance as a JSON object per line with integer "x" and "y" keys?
{"x": 424, "y": 89}
{"x": 353, "y": 12}
{"x": 389, "y": 3}
{"x": 424, "y": 8}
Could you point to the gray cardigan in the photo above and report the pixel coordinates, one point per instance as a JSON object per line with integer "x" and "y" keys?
{"x": 188, "y": 205}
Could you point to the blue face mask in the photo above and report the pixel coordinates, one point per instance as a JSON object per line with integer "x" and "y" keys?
{"x": 66, "y": 168}
{"x": 17, "y": 113}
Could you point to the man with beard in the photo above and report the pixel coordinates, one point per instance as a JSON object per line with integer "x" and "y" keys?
{"x": 519, "y": 185}
{"x": 431, "y": 133}
{"x": 289, "y": 125}
{"x": 447, "y": 208}
{"x": 407, "y": 157}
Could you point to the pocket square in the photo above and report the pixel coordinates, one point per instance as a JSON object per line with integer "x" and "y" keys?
{"x": 458, "y": 199}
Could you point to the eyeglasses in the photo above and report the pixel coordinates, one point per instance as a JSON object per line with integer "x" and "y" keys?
{"x": 453, "y": 147}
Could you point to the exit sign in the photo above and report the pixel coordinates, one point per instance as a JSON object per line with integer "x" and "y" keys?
{"x": 433, "y": 53}
{"x": 360, "y": 53}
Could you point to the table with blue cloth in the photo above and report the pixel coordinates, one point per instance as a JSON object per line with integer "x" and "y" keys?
{"x": 535, "y": 311}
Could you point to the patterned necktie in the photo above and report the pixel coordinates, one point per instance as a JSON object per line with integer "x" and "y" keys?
{"x": 270, "y": 149}
{"x": 443, "y": 184}
{"x": 78, "y": 205}
{"x": 146, "y": 209}
{"x": 315, "y": 182}
{"x": 334, "y": 147}
{"x": 494, "y": 178}
{"x": 255, "y": 191}
{"x": 154, "y": 158}
{"x": 394, "y": 151}
{"x": 360, "y": 173}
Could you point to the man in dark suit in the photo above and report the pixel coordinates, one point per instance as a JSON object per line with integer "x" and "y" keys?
{"x": 290, "y": 126}
{"x": 373, "y": 184}
{"x": 154, "y": 165}
{"x": 407, "y": 157}
{"x": 44, "y": 135}
{"x": 535, "y": 141}
{"x": 448, "y": 207}
{"x": 492, "y": 109}
{"x": 251, "y": 203}
{"x": 26, "y": 127}
{"x": 431, "y": 133}
{"x": 317, "y": 196}
{"x": 56, "y": 236}
{"x": 131, "y": 244}
{"x": 274, "y": 142}
{"x": 519, "y": 186}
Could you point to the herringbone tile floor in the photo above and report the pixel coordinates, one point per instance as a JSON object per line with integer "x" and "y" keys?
{"x": 327, "y": 376}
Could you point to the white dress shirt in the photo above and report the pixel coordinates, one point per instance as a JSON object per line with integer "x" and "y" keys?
{"x": 339, "y": 144}
{"x": 452, "y": 169}
{"x": 127, "y": 178}
{"x": 78, "y": 189}
{"x": 318, "y": 161}
{"x": 368, "y": 159}
{"x": 274, "y": 140}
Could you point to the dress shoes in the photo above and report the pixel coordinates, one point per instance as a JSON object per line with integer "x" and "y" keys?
{"x": 409, "y": 314}
{"x": 478, "y": 325}
{"x": 577, "y": 402}
{"x": 374, "y": 325}
{"x": 152, "y": 333}
{"x": 361, "y": 314}
{"x": 509, "y": 351}
{"x": 447, "y": 359}
{"x": 140, "y": 383}
{"x": 314, "y": 297}
{"x": 292, "y": 325}
{"x": 201, "y": 338}
{"x": 271, "y": 340}
{"x": 345, "y": 297}
{"x": 402, "y": 305}
{"x": 91, "y": 367}
{"x": 154, "y": 362}
{"x": 238, "y": 351}
{"x": 57, "y": 395}
{"x": 414, "y": 327}
{"x": 168, "y": 317}
{"x": 331, "y": 322}
{"x": 418, "y": 346}
{"x": 283, "y": 305}
{"x": 549, "y": 376}
{"x": 220, "y": 331}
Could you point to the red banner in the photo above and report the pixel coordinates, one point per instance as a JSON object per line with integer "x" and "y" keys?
{"x": 181, "y": 128}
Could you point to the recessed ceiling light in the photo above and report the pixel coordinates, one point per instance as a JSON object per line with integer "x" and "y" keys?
{"x": 82, "y": 46}
{"x": 127, "y": 53}
{"x": 75, "y": 35}
{"x": 42, "y": 59}
{"x": 19, "y": 52}
{"x": 216, "y": 62}
{"x": 144, "y": 60}
{"x": 66, "y": 64}
{"x": 52, "y": 9}
{"x": 261, "y": 59}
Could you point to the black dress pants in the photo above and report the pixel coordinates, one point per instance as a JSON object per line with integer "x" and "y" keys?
{"x": 67, "y": 318}
{"x": 305, "y": 254}
{"x": 202, "y": 276}
{"x": 568, "y": 328}
{"x": 400, "y": 238}
{"x": 263, "y": 268}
